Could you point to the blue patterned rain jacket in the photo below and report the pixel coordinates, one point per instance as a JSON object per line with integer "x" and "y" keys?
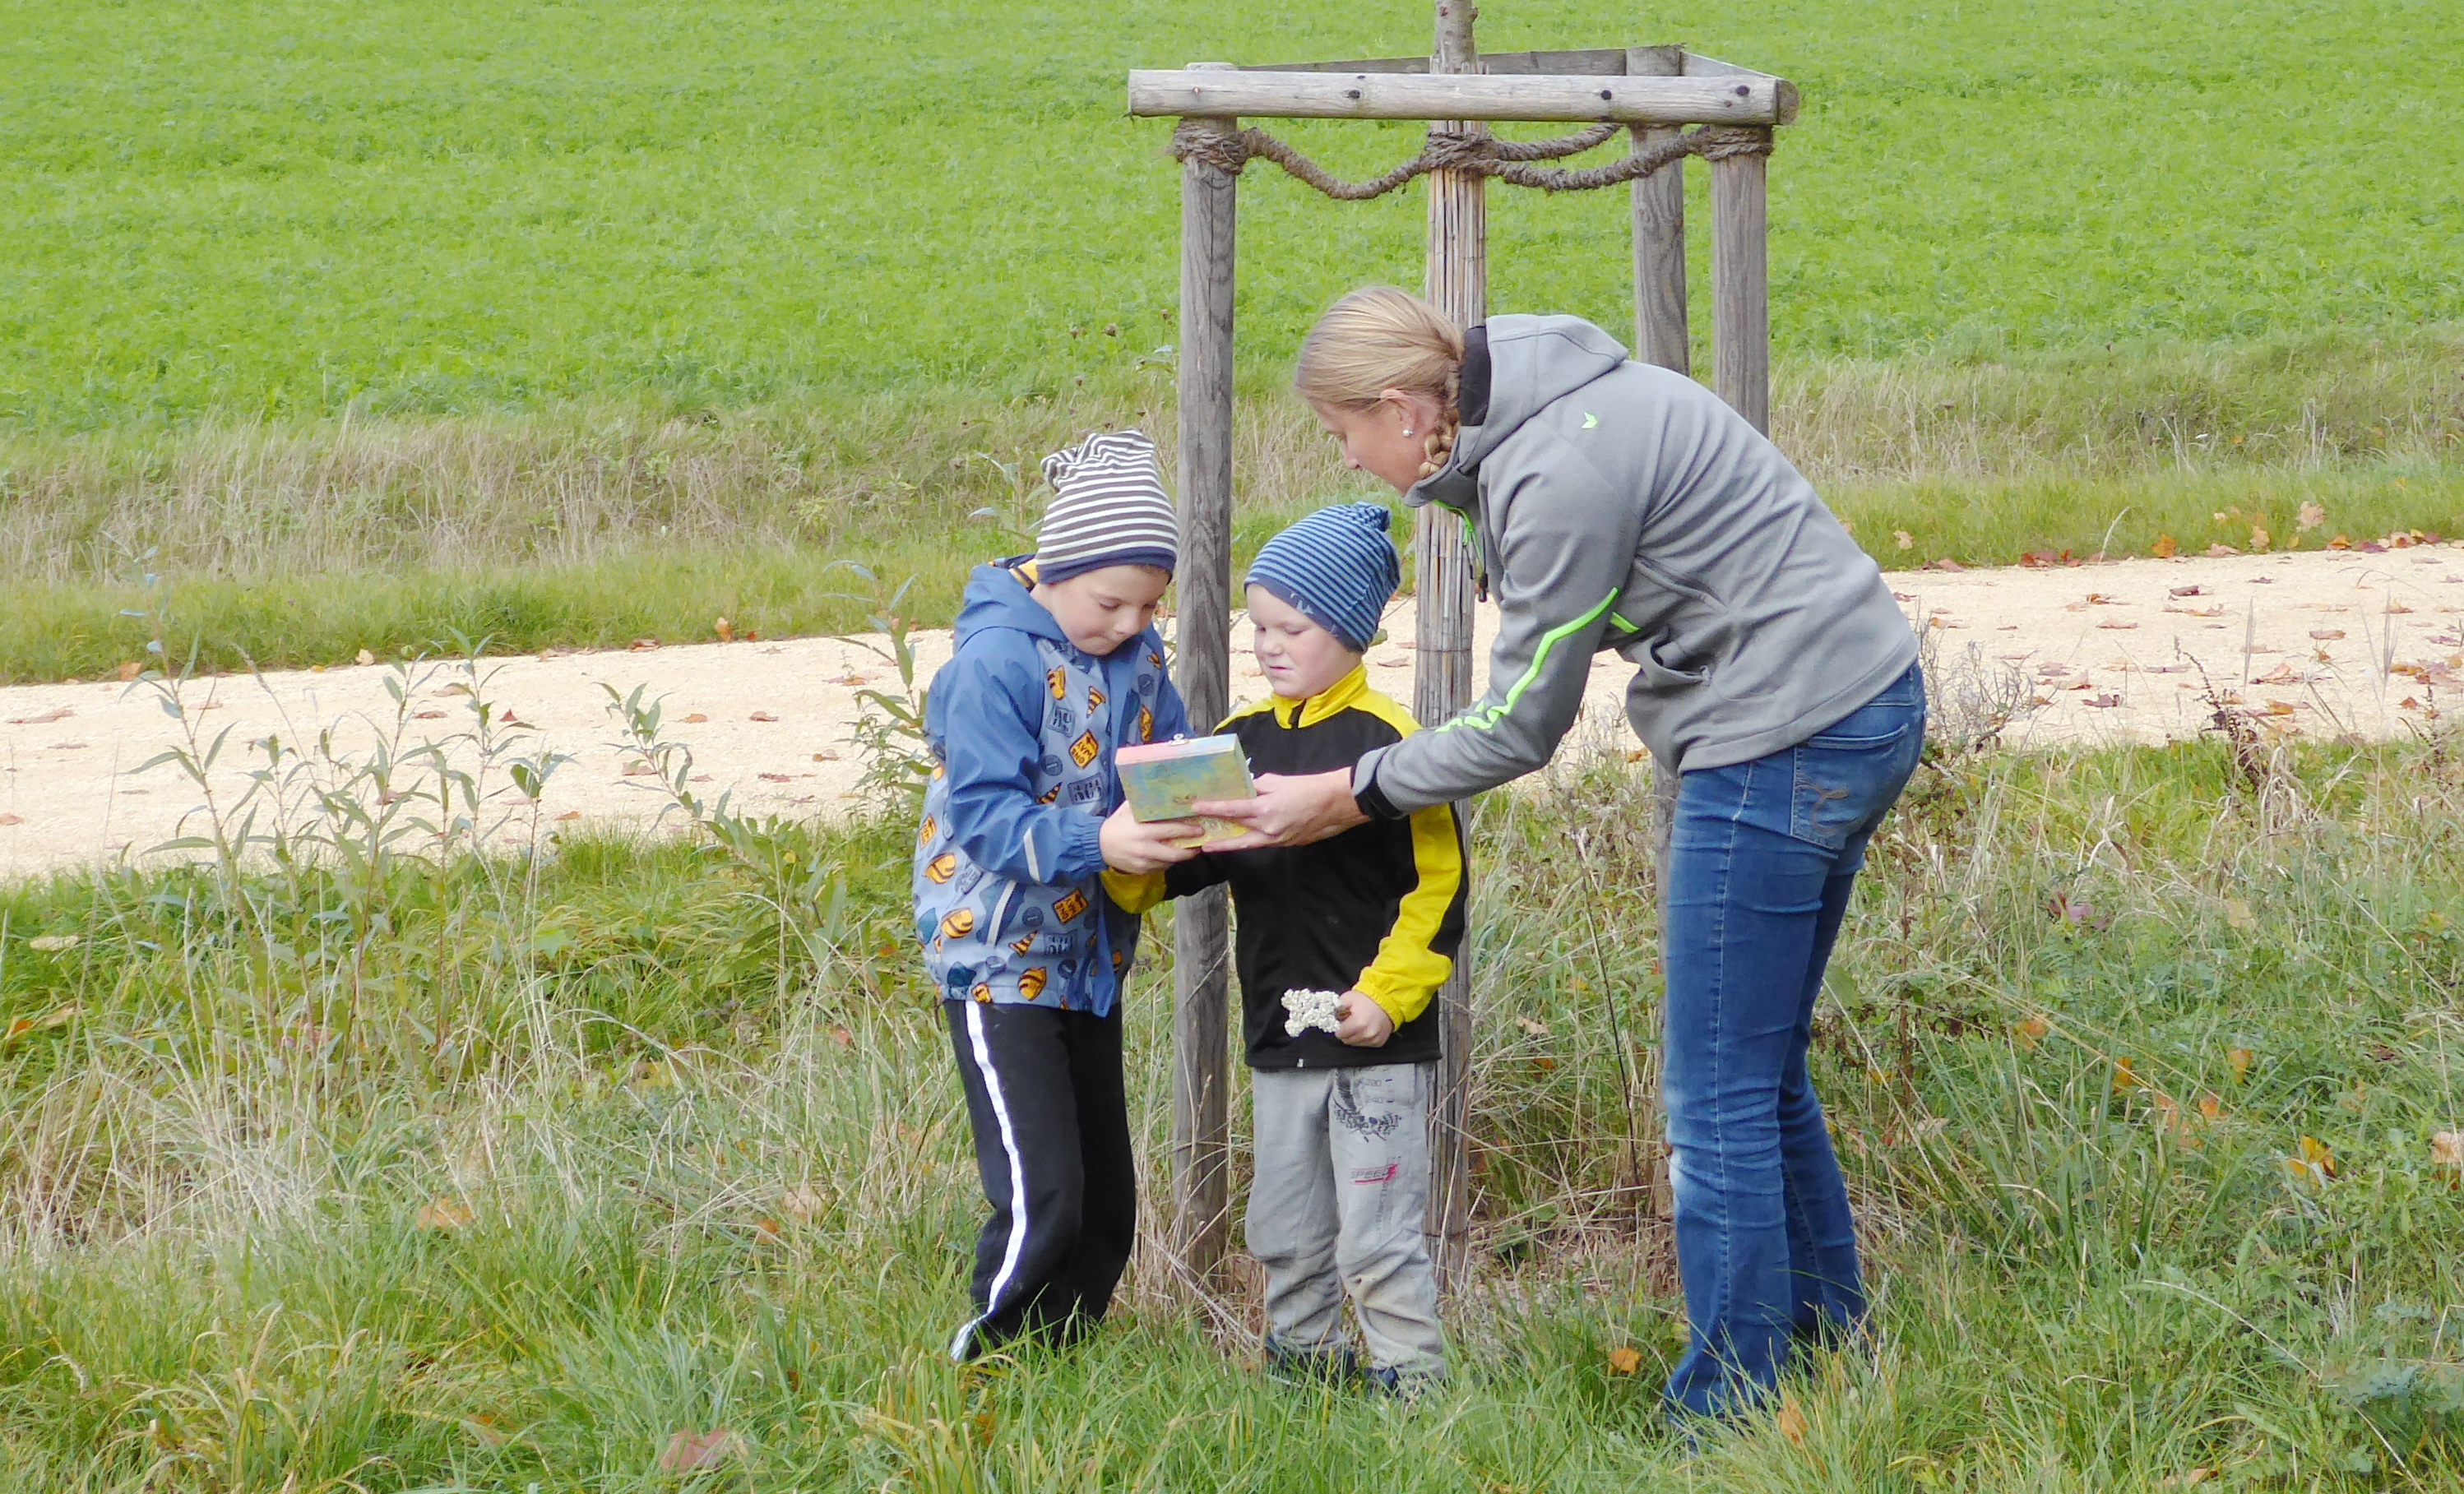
{"x": 1009, "y": 897}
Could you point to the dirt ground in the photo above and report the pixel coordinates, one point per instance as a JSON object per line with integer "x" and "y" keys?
{"x": 2318, "y": 643}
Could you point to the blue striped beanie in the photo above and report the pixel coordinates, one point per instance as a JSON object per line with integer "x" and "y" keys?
{"x": 1108, "y": 508}
{"x": 1337, "y": 566}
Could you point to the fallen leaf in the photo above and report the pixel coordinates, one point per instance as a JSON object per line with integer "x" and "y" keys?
{"x": 13, "y": 819}
{"x": 2447, "y": 1151}
{"x": 769, "y": 1228}
{"x": 2281, "y": 674}
{"x": 691, "y": 1451}
{"x": 427, "y": 716}
{"x": 642, "y": 644}
{"x": 129, "y": 670}
{"x": 2117, "y": 625}
{"x": 1946, "y": 563}
{"x": 443, "y": 1214}
{"x": 635, "y": 770}
{"x": 694, "y": 719}
{"x": 764, "y": 715}
{"x": 805, "y": 1202}
{"x": 54, "y": 943}
{"x": 2239, "y": 1059}
{"x": 1790, "y": 1421}
{"x": 2326, "y": 634}
{"x": 2310, "y": 518}
{"x": 2237, "y": 914}
{"x": 2124, "y": 1078}
{"x": 1904, "y": 540}
{"x": 1624, "y": 1359}
{"x": 2210, "y": 1106}
{"x": 2188, "y": 1478}
{"x": 570, "y": 814}
{"x": 484, "y": 1427}
{"x": 2258, "y": 540}
{"x": 1532, "y": 1025}
{"x": 774, "y": 777}
{"x": 2102, "y": 702}
{"x": 2217, "y": 552}
{"x": 2030, "y": 1030}
{"x": 57, "y": 714}
{"x": 725, "y": 629}
{"x": 2165, "y": 548}
{"x": 364, "y": 657}
{"x": 826, "y": 756}
{"x": 2310, "y": 1161}
{"x": 2188, "y": 591}
{"x": 2281, "y": 708}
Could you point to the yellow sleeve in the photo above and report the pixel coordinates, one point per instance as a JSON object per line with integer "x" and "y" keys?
{"x": 1407, "y": 971}
{"x": 1134, "y": 891}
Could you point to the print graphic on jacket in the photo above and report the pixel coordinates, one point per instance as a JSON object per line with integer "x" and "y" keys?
{"x": 1009, "y": 901}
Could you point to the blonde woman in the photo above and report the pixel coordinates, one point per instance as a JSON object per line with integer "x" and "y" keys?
{"x": 1617, "y": 506}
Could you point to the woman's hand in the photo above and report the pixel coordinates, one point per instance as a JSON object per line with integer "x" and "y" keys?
{"x": 1289, "y": 810}
{"x": 1363, "y": 1023}
{"x": 1138, "y": 847}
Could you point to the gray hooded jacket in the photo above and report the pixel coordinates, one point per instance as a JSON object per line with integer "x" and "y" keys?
{"x": 1623, "y": 506}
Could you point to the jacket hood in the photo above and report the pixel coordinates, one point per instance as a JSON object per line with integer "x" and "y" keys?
{"x": 997, "y": 597}
{"x": 1514, "y": 366}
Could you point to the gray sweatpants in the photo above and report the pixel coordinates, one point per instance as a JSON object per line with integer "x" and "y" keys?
{"x": 1339, "y": 1203}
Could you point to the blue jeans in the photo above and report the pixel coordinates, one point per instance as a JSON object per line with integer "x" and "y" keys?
{"x": 1760, "y": 867}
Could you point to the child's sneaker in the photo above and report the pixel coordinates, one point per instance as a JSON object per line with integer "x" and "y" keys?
{"x": 1311, "y": 1369}
{"x": 1403, "y": 1387}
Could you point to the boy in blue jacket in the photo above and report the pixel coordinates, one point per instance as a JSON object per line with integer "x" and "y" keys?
{"x": 1057, "y": 664}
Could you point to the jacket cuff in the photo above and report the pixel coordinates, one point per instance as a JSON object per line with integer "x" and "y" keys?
{"x": 1084, "y": 854}
{"x": 1371, "y": 799}
{"x": 1134, "y": 891}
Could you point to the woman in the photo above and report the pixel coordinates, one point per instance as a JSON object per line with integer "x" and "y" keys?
{"x": 1620, "y": 506}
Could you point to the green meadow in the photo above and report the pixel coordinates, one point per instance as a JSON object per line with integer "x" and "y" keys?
{"x": 2043, "y": 277}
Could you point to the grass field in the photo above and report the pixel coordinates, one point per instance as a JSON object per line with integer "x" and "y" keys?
{"x": 638, "y": 297}
{"x": 284, "y": 209}
{"x": 388, "y": 1173}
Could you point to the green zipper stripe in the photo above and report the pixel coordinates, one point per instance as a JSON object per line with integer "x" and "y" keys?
{"x": 1549, "y": 640}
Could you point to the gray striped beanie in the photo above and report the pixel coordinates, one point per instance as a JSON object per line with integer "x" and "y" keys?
{"x": 1337, "y": 566}
{"x": 1108, "y": 508}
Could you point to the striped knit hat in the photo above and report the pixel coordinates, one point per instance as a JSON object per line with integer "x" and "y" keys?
{"x": 1337, "y": 566}
{"x": 1108, "y": 508}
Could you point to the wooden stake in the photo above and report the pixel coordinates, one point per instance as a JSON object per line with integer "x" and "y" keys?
{"x": 1741, "y": 288}
{"x": 1457, "y": 285}
{"x": 1659, "y": 331}
{"x": 1201, "y": 1120}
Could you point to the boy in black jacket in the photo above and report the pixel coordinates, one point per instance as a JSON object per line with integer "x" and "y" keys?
{"x": 1375, "y": 913}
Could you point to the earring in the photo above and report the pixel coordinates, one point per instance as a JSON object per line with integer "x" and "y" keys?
{"x": 1407, "y": 430}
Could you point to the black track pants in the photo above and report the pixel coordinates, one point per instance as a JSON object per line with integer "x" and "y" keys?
{"x": 1052, "y": 1142}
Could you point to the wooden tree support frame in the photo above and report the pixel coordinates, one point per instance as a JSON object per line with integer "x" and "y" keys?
{"x": 1653, "y": 91}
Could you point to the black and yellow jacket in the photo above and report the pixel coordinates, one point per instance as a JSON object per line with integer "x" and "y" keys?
{"x": 1378, "y": 908}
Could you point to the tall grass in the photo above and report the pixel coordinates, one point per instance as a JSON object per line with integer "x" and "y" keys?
{"x": 302, "y": 544}
{"x": 459, "y": 1172}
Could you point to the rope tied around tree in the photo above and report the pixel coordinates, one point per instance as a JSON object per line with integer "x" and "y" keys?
{"x": 1510, "y": 160}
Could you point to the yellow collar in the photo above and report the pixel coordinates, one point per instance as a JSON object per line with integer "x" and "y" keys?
{"x": 1341, "y": 695}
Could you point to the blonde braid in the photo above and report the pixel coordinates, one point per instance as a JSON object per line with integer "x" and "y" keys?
{"x": 1440, "y": 443}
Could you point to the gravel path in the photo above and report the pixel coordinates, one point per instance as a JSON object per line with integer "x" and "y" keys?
{"x": 2319, "y": 644}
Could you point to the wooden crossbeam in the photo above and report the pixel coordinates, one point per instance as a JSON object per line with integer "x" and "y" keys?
{"x": 1566, "y": 62}
{"x": 1734, "y": 98}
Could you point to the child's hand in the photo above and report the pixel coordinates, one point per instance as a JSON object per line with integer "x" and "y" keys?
{"x": 1138, "y": 846}
{"x": 1363, "y": 1023}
